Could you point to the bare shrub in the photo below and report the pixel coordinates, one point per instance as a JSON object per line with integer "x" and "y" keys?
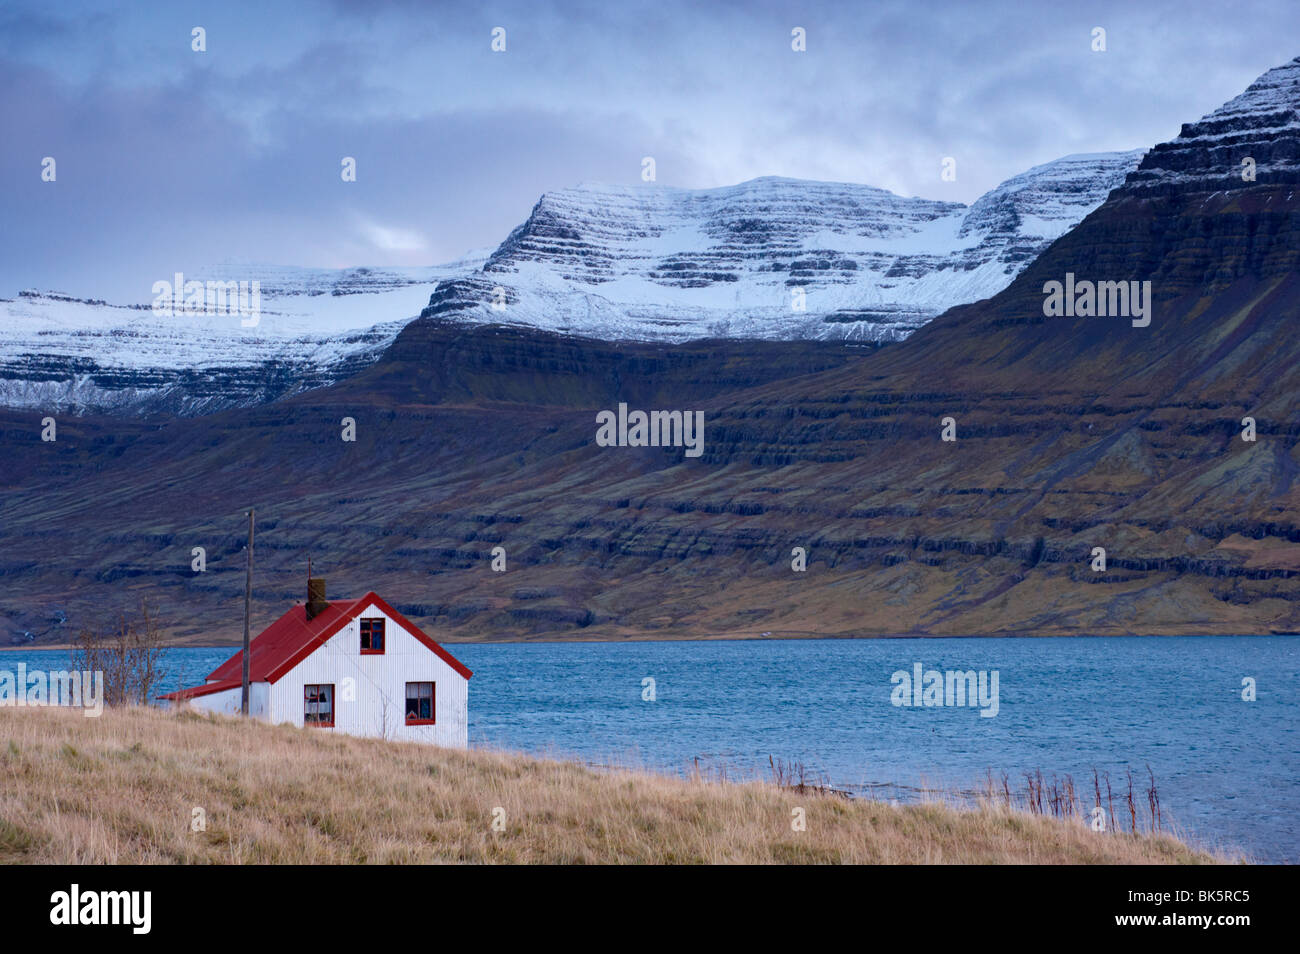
{"x": 130, "y": 655}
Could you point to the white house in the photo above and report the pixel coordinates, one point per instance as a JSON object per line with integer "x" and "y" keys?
{"x": 355, "y": 666}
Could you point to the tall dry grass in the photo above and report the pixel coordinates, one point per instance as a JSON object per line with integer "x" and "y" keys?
{"x": 123, "y": 788}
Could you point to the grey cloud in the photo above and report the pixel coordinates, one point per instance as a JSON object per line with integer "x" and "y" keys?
{"x": 165, "y": 154}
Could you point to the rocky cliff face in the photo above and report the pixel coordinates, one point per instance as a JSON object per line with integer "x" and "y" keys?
{"x": 1262, "y": 125}
{"x": 771, "y": 258}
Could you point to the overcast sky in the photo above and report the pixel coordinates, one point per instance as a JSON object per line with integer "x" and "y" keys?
{"x": 169, "y": 159}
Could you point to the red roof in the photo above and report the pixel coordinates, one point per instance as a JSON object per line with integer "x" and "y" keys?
{"x": 293, "y": 637}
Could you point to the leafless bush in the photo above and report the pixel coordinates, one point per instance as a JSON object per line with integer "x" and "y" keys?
{"x": 130, "y": 655}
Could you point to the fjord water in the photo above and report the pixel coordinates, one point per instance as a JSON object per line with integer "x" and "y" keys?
{"x": 1227, "y": 770}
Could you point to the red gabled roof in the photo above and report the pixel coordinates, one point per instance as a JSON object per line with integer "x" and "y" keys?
{"x": 282, "y": 639}
{"x": 293, "y": 637}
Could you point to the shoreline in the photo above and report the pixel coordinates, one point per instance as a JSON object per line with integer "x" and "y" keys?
{"x": 719, "y": 638}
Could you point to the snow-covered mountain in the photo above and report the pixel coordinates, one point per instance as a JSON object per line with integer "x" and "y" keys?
{"x": 315, "y": 327}
{"x": 1260, "y": 125}
{"x": 770, "y": 258}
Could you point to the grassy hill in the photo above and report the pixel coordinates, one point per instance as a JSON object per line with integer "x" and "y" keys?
{"x": 123, "y": 788}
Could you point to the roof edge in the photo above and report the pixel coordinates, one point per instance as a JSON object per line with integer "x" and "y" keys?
{"x": 206, "y": 689}
{"x": 358, "y": 606}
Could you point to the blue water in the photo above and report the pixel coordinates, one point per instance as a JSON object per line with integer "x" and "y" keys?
{"x": 1228, "y": 771}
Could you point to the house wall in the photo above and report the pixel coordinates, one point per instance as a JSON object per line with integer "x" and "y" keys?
{"x": 370, "y": 691}
{"x": 229, "y": 700}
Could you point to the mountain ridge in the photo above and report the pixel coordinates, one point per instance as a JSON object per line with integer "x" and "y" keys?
{"x": 650, "y": 263}
{"x": 848, "y": 246}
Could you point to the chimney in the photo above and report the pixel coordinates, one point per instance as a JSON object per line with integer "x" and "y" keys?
{"x": 316, "y": 602}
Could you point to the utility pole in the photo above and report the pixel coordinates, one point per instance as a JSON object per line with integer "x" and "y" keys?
{"x": 248, "y": 599}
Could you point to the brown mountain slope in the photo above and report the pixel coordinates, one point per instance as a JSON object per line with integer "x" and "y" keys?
{"x": 1072, "y": 433}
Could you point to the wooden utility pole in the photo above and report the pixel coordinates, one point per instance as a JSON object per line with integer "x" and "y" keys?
{"x": 248, "y": 599}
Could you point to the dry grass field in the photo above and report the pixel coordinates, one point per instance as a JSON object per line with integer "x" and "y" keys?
{"x": 123, "y": 788}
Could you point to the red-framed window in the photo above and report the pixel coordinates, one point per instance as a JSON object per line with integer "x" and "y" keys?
{"x": 372, "y": 636}
{"x": 421, "y": 703}
{"x": 318, "y": 705}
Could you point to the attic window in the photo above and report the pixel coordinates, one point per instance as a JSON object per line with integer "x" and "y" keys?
{"x": 419, "y": 703}
{"x": 318, "y": 706}
{"x": 372, "y": 636}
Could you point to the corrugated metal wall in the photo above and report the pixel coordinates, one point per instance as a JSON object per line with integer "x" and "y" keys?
{"x": 228, "y": 701}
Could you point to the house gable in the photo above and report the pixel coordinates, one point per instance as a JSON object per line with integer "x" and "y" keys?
{"x": 292, "y": 638}
{"x": 371, "y": 689}
{"x": 368, "y": 601}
